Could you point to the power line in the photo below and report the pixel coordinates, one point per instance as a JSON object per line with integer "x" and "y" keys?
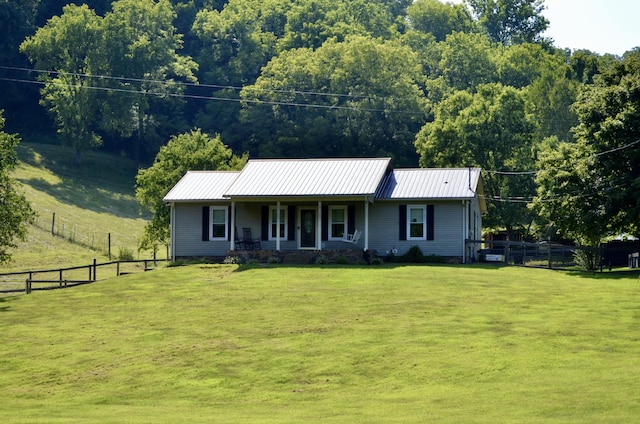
{"x": 188, "y": 84}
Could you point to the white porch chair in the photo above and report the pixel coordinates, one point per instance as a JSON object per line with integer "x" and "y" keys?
{"x": 352, "y": 238}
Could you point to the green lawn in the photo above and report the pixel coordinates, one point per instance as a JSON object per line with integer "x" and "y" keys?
{"x": 207, "y": 343}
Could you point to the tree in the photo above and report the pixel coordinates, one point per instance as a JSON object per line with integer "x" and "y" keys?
{"x": 186, "y": 152}
{"x": 511, "y": 21}
{"x": 67, "y": 46}
{"x": 439, "y": 19}
{"x": 491, "y": 129}
{"x": 141, "y": 44}
{"x": 15, "y": 211}
{"x": 589, "y": 187}
{"x": 468, "y": 60}
{"x": 357, "y": 98}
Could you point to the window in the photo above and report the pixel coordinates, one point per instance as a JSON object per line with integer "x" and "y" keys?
{"x": 416, "y": 222}
{"x": 337, "y": 222}
{"x": 218, "y": 221}
{"x": 274, "y": 225}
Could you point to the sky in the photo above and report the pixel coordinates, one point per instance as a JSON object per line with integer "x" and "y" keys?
{"x": 601, "y": 26}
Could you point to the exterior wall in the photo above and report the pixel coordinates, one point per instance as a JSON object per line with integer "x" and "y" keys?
{"x": 188, "y": 233}
{"x": 385, "y": 233}
{"x": 383, "y": 229}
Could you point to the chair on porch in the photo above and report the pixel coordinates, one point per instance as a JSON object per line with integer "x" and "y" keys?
{"x": 239, "y": 242}
{"x": 352, "y": 238}
{"x": 249, "y": 242}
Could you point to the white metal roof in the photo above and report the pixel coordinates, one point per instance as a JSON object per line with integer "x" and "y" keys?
{"x": 430, "y": 183}
{"x": 201, "y": 185}
{"x": 309, "y": 177}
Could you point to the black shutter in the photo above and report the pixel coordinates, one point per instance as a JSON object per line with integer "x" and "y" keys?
{"x": 402, "y": 222}
{"x": 265, "y": 223}
{"x": 325, "y": 222}
{"x": 351, "y": 219}
{"x": 430, "y": 222}
{"x": 205, "y": 223}
{"x": 291, "y": 216}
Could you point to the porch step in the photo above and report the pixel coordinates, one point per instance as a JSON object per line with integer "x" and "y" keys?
{"x": 298, "y": 258}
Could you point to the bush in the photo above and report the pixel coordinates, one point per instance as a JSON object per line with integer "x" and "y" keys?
{"x": 342, "y": 260}
{"x": 125, "y": 254}
{"x": 415, "y": 256}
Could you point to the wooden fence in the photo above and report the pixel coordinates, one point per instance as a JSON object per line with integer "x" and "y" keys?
{"x": 27, "y": 281}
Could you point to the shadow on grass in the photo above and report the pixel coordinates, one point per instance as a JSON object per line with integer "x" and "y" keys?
{"x": 111, "y": 179}
{"x": 608, "y": 275}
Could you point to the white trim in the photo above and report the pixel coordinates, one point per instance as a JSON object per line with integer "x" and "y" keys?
{"x": 345, "y": 222}
{"x": 279, "y": 218}
{"x": 424, "y": 221}
{"x": 232, "y": 245}
{"x": 213, "y": 209}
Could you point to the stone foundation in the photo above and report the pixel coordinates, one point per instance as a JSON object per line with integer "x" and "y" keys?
{"x": 304, "y": 257}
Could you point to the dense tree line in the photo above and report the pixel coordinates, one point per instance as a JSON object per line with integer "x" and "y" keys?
{"x": 425, "y": 82}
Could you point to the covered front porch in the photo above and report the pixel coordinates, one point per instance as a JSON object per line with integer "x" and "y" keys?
{"x": 286, "y": 225}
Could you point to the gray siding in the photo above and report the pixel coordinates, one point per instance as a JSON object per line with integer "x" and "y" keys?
{"x": 383, "y": 228}
{"x": 385, "y": 235}
{"x": 188, "y": 232}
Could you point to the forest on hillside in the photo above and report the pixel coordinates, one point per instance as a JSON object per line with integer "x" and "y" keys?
{"x": 425, "y": 82}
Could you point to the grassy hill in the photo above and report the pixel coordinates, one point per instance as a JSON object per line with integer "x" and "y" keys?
{"x": 89, "y": 201}
{"x": 403, "y": 344}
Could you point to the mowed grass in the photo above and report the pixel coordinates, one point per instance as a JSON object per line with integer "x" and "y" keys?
{"x": 90, "y": 201}
{"x": 403, "y": 344}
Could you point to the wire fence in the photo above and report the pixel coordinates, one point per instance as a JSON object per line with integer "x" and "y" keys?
{"x": 98, "y": 240}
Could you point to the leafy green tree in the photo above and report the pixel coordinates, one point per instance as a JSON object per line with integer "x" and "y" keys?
{"x": 17, "y": 20}
{"x": 141, "y": 43}
{"x": 588, "y": 187}
{"x": 491, "y": 129}
{"x": 609, "y": 115}
{"x": 360, "y": 97}
{"x": 438, "y": 18}
{"x": 186, "y": 152}
{"x": 468, "y": 60}
{"x": 568, "y": 194}
{"x": 67, "y": 45}
{"x": 312, "y": 22}
{"x": 511, "y": 21}
{"x": 15, "y": 211}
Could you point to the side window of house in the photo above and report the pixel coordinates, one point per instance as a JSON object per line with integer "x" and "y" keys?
{"x": 276, "y": 226}
{"x": 219, "y": 230}
{"x": 337, "y": 222}
{"x": 416, "y": 222}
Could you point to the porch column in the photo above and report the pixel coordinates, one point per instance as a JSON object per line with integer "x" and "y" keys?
{"x": 278, "y": 226}
{"x": 319, "y": 226}
{"x": 233, "y": 226}
{"x": 366, "y": 224}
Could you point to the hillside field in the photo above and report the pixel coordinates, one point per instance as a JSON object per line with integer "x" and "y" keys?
{"x": 278, "y": 344}
{"x": 90, "y": 201}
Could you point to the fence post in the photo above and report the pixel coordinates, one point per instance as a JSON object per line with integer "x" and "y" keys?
{"x": 118, "y": 269}
{"x": 94, "y": 270}
{"x": 27, "y": 286}
{"x": 549, "y": 251}
{"x": 109, "y": 244}
{"x": 53, "y": 224}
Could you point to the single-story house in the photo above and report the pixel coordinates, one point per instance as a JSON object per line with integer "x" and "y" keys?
{"x": 327, "y": 205}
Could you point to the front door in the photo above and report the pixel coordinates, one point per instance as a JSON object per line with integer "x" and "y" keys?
{"x": 307, "y": 228}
